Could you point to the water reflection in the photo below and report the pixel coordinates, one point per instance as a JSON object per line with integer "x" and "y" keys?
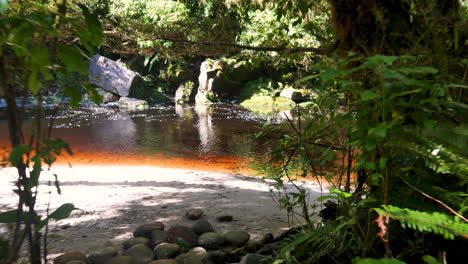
{"x": 118, "y": 135}
{"x": 206, "y": 131}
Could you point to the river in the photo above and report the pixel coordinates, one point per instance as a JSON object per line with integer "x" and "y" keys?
{"x": 216, "y": 137}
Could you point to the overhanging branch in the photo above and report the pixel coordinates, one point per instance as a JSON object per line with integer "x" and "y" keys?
{"x": 282, "y": 49}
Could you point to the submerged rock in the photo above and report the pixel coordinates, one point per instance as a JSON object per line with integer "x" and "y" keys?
{"x": 132, "y": 103}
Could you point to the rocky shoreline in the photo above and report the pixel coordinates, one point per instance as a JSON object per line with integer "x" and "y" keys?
{"x": 198, "y": 243}
{"x": 115, "y": 200}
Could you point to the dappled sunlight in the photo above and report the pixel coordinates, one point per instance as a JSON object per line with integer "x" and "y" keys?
{"x": 113, "y": 200}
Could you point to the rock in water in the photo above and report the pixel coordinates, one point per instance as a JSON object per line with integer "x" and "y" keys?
{"x": 132, "y": 103}
{"x": 110, "y": 75}
{"x": 71, "y": 256}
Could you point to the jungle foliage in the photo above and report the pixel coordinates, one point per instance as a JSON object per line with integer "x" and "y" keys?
{"x": 34, "y": 51}
{"x": 387, "y": 131}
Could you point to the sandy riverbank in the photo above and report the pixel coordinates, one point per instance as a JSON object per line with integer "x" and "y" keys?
{"x": 115, "y": 199}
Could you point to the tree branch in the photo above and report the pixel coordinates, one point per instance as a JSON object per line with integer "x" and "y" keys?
{"x": 321, "y": 51}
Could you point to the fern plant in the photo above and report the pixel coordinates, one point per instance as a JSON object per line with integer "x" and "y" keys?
{"x": 437, "y": 223}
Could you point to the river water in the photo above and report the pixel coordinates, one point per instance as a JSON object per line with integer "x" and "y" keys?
{"x": 202, "y": 137}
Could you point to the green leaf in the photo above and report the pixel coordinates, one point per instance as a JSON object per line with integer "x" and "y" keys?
{"x": 376, "y": 178}
{"x": 437, "y": 223}
{"x": 63, "y": 211}
{"x": 40, "y": 56}
{"x": 430, "y": 259}
{"x": 75, "y": 95}
{"x": 461, "y": 130}
{"x": 94, "y": 27}
{"x": 340, "y": 193}
{"x": 9, "y": 216}
{"x": 16, "y": 155}
{"x": 33, "y": 81}
{"x": 418, "y": 70}
{"x": 429, "y": 124}
{"x": 378, "y": 131}
{"x": 326, "y": 197}
{"x": 35, "y": 173}
{"x": 368, "y": 95}
{"x": 378, "y": 60}
{"x": 382, "y": 163}
{"x": 72, "y": 59}
{"x": 60, "y": 213}
{"x": 377, "y": 261}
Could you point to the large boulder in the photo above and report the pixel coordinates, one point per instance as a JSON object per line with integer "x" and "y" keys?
{"x": 297, "y": 95}
{"x": 110, "y": 75}
{"x": 185, "y": 93}
{"x": 222, "y": 79}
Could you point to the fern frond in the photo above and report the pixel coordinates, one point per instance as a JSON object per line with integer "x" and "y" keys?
{"x": 437, "y": 223}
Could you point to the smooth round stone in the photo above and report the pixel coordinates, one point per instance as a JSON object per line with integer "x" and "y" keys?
{"x": 135, "y": 241}
{"x": 145, "y": 230}
{"x": 236, "y": 238}
{"x": 210, "y": 240}
{"x": 101, "y": 256}
{"x": 194, "y": 214}
{"x": 166, "y": 250}
{"x": 71, "y": 256}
